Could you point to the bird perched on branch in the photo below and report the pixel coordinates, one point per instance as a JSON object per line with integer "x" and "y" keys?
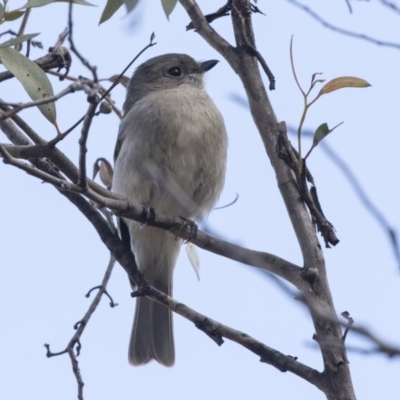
{"x": 170, "y": 155}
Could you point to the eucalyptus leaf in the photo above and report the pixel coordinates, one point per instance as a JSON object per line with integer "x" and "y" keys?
{"x": 41, "y": 3}
{"x": 109, "y": 10}
{"x": 343, "y": 82}
{"x": 168, "y": 6}
{"x": 35, "y": 81}
{"x": 18, "y": 40}
{"x": 2, "y": 10}
{"x": 323, "y": 131}
{"x": 80, "y": 2}
{"x": 131, "y": 4}
{"x": 13, "y": 15}
{"x": 37, "y": 3}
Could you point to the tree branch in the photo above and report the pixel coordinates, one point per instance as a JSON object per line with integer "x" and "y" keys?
{"x": 336, "y": 370}
{"x": 124, "y": 256}
{"x": 267, "y": 261}
{"x": 21, "y": 106}
{"x": 87, "y": 122}
{"x": 91, "y": 68}
{"x": 212, "y": 328}
{"x": 124, "y": 208}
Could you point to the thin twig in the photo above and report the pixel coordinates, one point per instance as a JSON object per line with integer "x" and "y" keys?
{"x": 324, "y": 226}
{"x": 360, "y": 192}
{"x": 385, "y": 225}
{"x": 221, "y": 12}
{"x": 349, "y": 6}
{"x": 116, "y": 82}
{"x": 82, "y": 143}
{"x": 58, "y": 158}
{"x": 23, "y": 23}
{"x": 60, "y": 137}
{"x": 63, "y": 135}
{"x": 61, "y": 38}
{"x": 253, "y": 51}
{"x": 391, "y": 5}
{"x": 75, "y": 342}
{"x": 22, "y": 27}
{"x": 92, "y": 69}
{"x": 31, "y": 170}
{"x": 102, "y": 90}
{"x": 345, "y": 32}
{"x": 17, "y": 107}
{"x": 67, "y": 77}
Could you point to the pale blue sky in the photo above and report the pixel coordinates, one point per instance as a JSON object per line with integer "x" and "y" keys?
{"x": 51, "y": 256}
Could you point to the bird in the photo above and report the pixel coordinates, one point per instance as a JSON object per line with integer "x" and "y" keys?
{"x": 170, "y": 155}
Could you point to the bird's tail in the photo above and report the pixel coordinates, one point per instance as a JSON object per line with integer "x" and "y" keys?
{"x": 152, "y": 334}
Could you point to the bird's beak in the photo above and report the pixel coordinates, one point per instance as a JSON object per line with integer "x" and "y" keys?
{"x": 206, "y": 66}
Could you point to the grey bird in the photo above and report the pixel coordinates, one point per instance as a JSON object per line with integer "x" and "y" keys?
{"x": 170, "y": 155}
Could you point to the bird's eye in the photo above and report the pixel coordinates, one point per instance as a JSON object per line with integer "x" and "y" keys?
{"x": 175, "y": 71}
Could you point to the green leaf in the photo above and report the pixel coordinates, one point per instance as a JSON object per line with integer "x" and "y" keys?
{"x": 18, "y": 40}
{"x": 41, "y": 3}
{"x": 321, "y": 132}
{"x": 130, "y": 4}
{"x": 124, "y": 80}
{"x": 38, "y": 3}
{"x": 35, "y": 81}
{"x": 168, "y": 6}
{"x": 343, "y": 82}
{"x": 2, "y": 10}
{"x": 80, "y": 2}
{"x": 111, "y": 7}
{"x": 13, "y": 15}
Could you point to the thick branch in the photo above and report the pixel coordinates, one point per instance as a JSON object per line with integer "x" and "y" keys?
{"x": 246, "y": 67}
{"x": 212, "y": 328}
{"x": 123, "y": 208}
{"x": 215, "y": 330}
{"x": 338, "y": 381}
